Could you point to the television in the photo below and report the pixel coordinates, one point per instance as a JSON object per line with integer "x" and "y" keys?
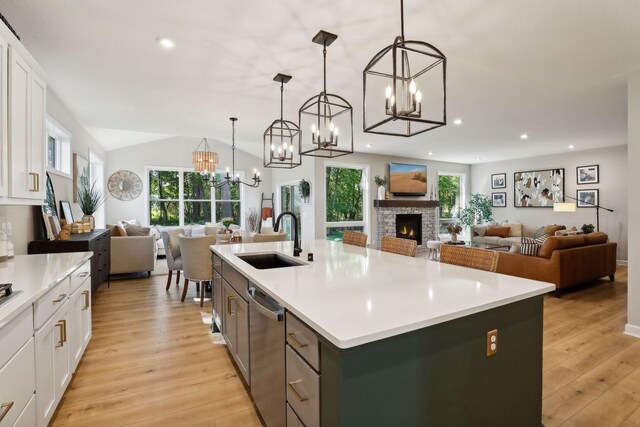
{"x": 407, "y": 180}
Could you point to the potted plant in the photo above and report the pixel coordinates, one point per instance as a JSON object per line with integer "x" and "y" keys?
{"x": 381, "y": 182}
{"x": 90, "y": 198}
{"x": 305, "y": 189}
{"x": 587, "y": 228}
{"x": 225, "y": 233}
{"x": 478, "y": 210}
{"x": 454, "y": 230}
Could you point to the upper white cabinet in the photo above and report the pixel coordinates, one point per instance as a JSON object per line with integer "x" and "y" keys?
{"x": 4, "y": 107}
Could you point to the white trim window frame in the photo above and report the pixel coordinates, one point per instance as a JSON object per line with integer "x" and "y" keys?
{"x": 215, "y": 219}
{"x": 366, "y": 196}
{"x": 62, "y": 149}
{"x": 463, "y": 199}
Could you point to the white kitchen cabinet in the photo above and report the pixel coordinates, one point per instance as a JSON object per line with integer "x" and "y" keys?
{"x": 79, "y": 322}
{"x": 4, "y": 107}
{"x": 27, "y": 130}
{"x": 53, "y": 363}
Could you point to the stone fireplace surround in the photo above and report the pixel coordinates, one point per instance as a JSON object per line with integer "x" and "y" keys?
{"x": 386, "y": 211}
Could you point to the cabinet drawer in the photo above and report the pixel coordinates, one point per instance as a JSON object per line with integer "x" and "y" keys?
{"x": 292, "y": 418}
{"x": 28, "y": 417}
{"x": 80, "y": 275}
{"x": 217, "y": 263}
{"x": 14, "y": 334}
{"x": 236, "y": 280}
{"x": 20, "y": 375}
{"x": 303, "y": 389}
{"x": 301, "y": 338}
{"x": 50, "y": 302}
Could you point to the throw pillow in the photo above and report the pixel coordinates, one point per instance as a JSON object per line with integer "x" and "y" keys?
{"x": 130, "y": 222}
{"x": 515, "y": 248}
{"x": 480, "y": 230}
{"x": 539, "y": 232}
{"x": 498, "y": 231}
{"x": 552, "y": 228}
{"x": 515, "y": 228}
{"x": 118, "y": 231}
{"x": 529, "y": 245}
{"x": 137, "y": 230}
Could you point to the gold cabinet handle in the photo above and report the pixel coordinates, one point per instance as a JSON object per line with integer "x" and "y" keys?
{"x": 37, "y": 182}
{"x": 86, "y": 300}
{"x": 83, "y": 274}
{"x": 292, "y": 386}
{"x": 61, "y": 325}
{"x": 61, "y": 297}
{"x": 229, "y": 299}
{"x": 5, "y": 408}
{"x": 34, "y": 182}
{"x": 292, "y": 336}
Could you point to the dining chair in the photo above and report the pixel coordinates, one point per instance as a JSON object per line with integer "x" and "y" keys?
{"x": 172, "y": 253}
{"x": 396, "y": 245}
{"x": 354, "y": 238}
{"x": 196, "y": 262}
{"x": 480, "y": 259}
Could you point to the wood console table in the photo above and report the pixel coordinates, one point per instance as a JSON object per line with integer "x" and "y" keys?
{"x": 97, "y": 241}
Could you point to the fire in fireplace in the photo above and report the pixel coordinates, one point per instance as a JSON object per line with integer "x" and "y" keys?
{"x": 409, "y": 226}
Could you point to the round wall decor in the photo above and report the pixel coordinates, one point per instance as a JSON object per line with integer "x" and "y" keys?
{"x": 125, "y": 185}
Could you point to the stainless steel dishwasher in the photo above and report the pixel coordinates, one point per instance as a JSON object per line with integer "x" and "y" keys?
{"x": 266, "y": 349}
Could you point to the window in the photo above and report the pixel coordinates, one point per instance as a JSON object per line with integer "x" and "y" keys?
{"x": 96, "y": 174}
{"x": 290, "y": 199}
{"x": 347, "y": 194}
{"x": 58, "y": 149}
{"x": 179, "y": 197}
{"x": 451, "y": 196}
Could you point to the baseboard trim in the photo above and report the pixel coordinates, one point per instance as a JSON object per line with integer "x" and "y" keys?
{"x": 622, "y": 262}
{"x": 632, "y": 330}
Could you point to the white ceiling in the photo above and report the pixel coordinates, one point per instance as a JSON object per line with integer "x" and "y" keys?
{"x": 553, "y": 69}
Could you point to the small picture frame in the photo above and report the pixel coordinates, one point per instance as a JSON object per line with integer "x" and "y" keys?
{"x": 67, "y": 213}
{"x": 499, "y": 200}
{"x": 588, "y": 174}
{"x": 499, "y": 180}
{"x": 587, "y": 198}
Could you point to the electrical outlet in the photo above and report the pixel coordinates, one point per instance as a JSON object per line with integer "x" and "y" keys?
{"x": 492, "y": 342}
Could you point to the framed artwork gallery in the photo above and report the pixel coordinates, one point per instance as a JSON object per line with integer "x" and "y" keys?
{"x": 499, "y": 200}
{"x": 587, "y": 198}
{"x": 538, "y": 188}
{"x": 588, "y": 174}
{"x": 498, "y": 180}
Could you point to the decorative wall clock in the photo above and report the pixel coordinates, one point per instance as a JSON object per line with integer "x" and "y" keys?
{"x": 125, "y": 185}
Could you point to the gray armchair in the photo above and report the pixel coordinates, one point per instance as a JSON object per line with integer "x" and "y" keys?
{"x": 196, "y": 258}
{"x": 133, "y": 254}
{"x": 171, "y": 242}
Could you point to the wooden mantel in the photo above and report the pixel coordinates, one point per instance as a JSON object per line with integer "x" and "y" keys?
{"x": 395, "y": 203}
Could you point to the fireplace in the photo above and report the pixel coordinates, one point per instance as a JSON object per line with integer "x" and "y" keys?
{"x": 409, "y": 226}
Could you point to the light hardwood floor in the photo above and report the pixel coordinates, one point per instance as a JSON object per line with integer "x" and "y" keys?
{"x": 152, "y": 362}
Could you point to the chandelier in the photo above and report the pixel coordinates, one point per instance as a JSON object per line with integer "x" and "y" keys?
{"x": 203, "y": 158}
{"x": 329, "y": 117}
{"x": 233, "y": 177}
{"x": 280, "y": 139}
{"x": 404, "y": 88}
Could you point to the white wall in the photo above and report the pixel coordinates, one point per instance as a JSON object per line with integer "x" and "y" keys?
{"x": 175, "y": 152}
{"x": 633, "y": 298}
{"x": 612, "y": 186}
{"x": 305, "y": 171}
{"x": 24, "y": 218}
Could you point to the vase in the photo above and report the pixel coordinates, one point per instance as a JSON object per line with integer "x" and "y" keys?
{"x": 381, "y": 192}
{"x": 454, "y": 238}
{"x": 224, "y": 235}
{"x": 90, "y": 219}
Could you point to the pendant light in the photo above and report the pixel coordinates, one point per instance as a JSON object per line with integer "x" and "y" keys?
{"x": 404, "y": 88}
{"x": 233, "y": 177}
{"x": 327, "y": 117}
{"x": 281, "y": 140}
{"x": 203, "y": 158}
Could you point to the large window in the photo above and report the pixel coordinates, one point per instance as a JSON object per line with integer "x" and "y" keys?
{"x": 451, "y": 196}
{"x": 290, "y": 199}
{"x": 58, "y": 149}
{"x": 346, "y": 200}
{"x": 183, "y": 197}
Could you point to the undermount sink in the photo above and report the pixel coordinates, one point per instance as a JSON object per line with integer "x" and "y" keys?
{"x": 268, "y": 260}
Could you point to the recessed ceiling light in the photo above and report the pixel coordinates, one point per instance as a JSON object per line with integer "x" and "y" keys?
{"x": 368, "y": 145}
{"x": 457, "y": 122}
{"x": 524, "y": 136}
{"x": 430, "y": 153}
{"x": 572, "y": 146}
{"x": 165, "y": 42}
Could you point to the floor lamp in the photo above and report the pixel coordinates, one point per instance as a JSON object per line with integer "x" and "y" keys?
{"x": 571, "y": 207}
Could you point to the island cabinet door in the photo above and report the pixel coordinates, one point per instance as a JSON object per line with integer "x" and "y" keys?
{"x": 228, "y": 314}
{"x": 235, "y": 328}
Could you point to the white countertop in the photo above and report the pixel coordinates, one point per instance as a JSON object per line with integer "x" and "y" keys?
{"x": 353, "y": 296}
{"x": 34, "y": 275}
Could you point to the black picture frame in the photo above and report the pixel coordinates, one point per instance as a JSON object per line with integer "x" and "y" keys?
{"x": 497, "y": 176}
{"x": 579, "y": 198}
{"x": 516, "y": 196}
{"x": 493, "y": 199}
{"x": 67, "y": 212}
{"x": 579, "y": 181}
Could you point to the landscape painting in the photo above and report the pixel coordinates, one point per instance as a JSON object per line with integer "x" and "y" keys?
{"x": 407, "y": 179}
{"x": 538, "y": 189}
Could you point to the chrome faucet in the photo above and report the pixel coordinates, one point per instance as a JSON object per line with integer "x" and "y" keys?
{"x": 296, "y": 238}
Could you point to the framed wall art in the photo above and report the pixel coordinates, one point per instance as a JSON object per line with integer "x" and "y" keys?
{"x": 538, "y": 189}
{"x": 499, "y": 180}
{"x": 588, "y": 174}
{"x": 587, "y": 198}
{"x": 499, "y": 200}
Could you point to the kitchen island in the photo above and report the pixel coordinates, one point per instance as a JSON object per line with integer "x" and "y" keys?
{"x": 374, "y": 338}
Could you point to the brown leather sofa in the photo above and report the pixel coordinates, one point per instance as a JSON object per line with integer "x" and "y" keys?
{"x": 564, "y": 261}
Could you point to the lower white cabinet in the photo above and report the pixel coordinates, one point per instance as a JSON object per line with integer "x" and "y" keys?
{"x": 79, "y": 322}
{"x": 53, "y": 363}
{"x": 28, "y": 417}
{"x": 19, "y": 373}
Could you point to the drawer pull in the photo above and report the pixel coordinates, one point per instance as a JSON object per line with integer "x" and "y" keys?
{"x": 229, "y": 299}
{"x": 292, "y": 336}
{"x": 86, "y": 300}
{"x": 61, "y": 298}
{"x": 35, "y": 181}
{"x": 61, "y": 325}
{"x": 5, "y": 408}
{"x": 83, "y": 274}
{"x": 292, "y": 386}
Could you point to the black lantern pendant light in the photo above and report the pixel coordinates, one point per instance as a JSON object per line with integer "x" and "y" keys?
{"x": 327, "y": 117}
{"x": 281, "y": 143}
{"x": 233, "y": 177}
{"x": 404, "y": 88}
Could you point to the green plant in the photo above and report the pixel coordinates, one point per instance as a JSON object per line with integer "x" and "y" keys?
{"x": 90, "y": 197}
{"x": 478, "y": 210}
{"x": 305, "y": 188}
{"x": 381, "y": 182}
{"x": 227, "y": 221}
{"x": 587, "y": 228}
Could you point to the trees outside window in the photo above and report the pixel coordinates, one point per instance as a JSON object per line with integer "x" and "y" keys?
{"x": 451, "y": 197}
{"x": 346, "y": 191}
